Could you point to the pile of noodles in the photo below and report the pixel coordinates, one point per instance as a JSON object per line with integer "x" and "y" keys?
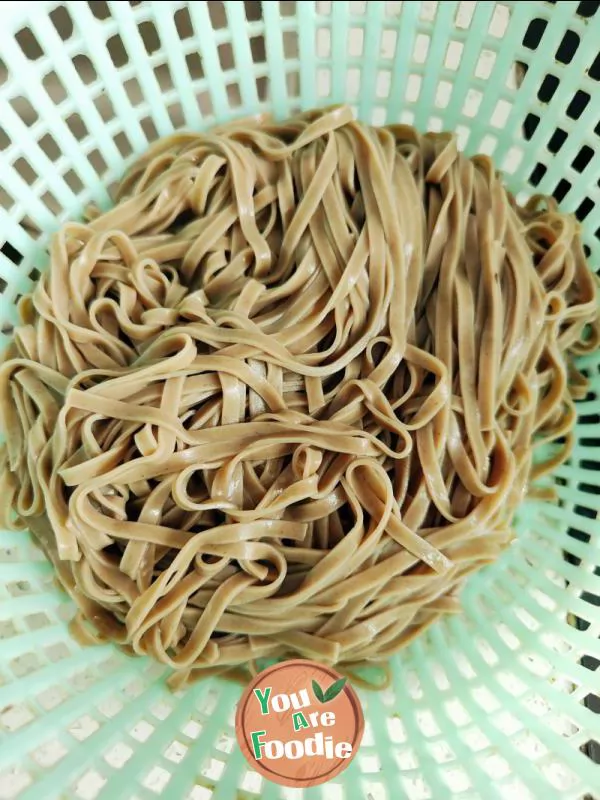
{"x": 286, "y": 394}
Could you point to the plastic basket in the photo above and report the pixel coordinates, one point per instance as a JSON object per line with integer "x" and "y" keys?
{"x": 497, "y": 702}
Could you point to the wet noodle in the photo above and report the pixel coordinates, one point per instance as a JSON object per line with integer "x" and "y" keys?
{"x": 286, "y": 394}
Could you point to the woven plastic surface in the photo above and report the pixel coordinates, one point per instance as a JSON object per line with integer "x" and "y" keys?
{"x": 495, "y": 703}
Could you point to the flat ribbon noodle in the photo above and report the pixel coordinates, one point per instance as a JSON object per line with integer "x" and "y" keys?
{"x": 284, "y": 397}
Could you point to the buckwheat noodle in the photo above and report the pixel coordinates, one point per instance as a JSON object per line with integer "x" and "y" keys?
{"x": 288, "y": 392}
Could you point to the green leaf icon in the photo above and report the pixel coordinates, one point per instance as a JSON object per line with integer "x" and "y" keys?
{"x": 334, "y": 689}
{"x": 318, "y": 692}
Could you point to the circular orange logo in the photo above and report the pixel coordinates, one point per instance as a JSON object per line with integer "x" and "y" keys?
{"x": 299, "y": 723}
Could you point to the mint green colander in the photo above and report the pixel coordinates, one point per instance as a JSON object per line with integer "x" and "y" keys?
{"x": 496, "y": 703}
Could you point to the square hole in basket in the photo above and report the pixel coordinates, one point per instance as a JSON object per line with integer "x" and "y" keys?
{"x": 453, "y": 56}
{"x": 556, "y": 141}
{"x": 442, "y": 95}
{"x": 83, "y": 727}
{"x": 587, "y": 8}
{"x": 561, "y": 190}
{"x": 225, "y": 743}
{"x": 157, "y": 779}
{"x": 225, "y": 53}
{"x": 323, "y": 82}
{"x": 8, "y": 628}
{"x": 472, "y": 103}
{"x": 104, "y": 107}
{"x": 19, "y": 588}
{"x": 50, "y": 753}
{"x": 85, "y": 69}
{"x": 118, "y": 755}
{"x": 183, "y": 23}
{"x": 323, "y": 42}
{"x": 252, "y": 783}
{"x": 123, "y": 144}
{"x": 194, "y": 65}
{"x": 51, "y": 202}
{"x": 213, "y": 769}
{"x": 421, "y": 48}
{"x": 383, "y": 83}
{"x": 500, "y": 113}
{"x": 290, "y": 44}
{"x": 257, "y": 49}
{"x": 142, "y": 731}
{"x": 485, "y": 64}
{"x": 254, "y": 12}
{"x": 204, "y": 103}
{"x": 24, "y": 110}
{"x": 161, "y": 710}
{"x": 25, "y": 664}
{"x": 388, "y": 43}
{"x": 547, "y": 88}
{"x": 582, "y": 211}
{"x": 594, "y": 70}
{"x": 6, "y": 201}
{"x": 110, "y": 706}
{"x": 216, "y": 11}
{"x": 352, "y": 83}
{"x": 379, "y": 116}
{"x": 116, "y": 50}
{"x": 25, "y": 171}
{"x": 133, "y": 90}
{"x": 99, "y": 9}
{"x": 176, "y": 751}
{"x": 73, "y": 181}
{"x": 262, "y": 87}
{"x": 292, "y": 83}
{"x": 89, "y": 786}
{"x": 457, "y": 712}
{"x": 54, "y": 88}
{"x": 175, "y": 112}
{"x": 52, "y": 697}
{"x": 457, "y": 779}
{"x": 13, "y": 717}
{"x": 63, "y": 24}
{"x": 530, "y": 124}
{"x": 428, "y": 11}
{"x": 406, "y": 759}
{"x": 28, "y": 43}
{"x": 426, "y": 723}
{"x": 568, "y": 47}
{"x": 149, "y": 128}
{"x": 474, "y": 739}
{"x": 356, "y": 40}
{"x": 369, "y": 763}
{"x": 464, "y": 15}
{"x": 200, "y": 793}
{"x": 413, "y": 88}
{"x": 499, "y": 21}
{"x": 534, "y": 34}
{"x": 150, "y": 37}
{"x": 393, "y": 8}
{"x": 49, "y": 146}
{"x": 578, "y": 104}
{"x": 97, "y": 161}
{"x": 441, "y": 751}
{"x": 512, "y": 160}
{"x": 192, "y": 729}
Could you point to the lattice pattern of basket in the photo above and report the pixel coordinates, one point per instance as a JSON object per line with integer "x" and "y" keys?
{"x": 495, "y": 703}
